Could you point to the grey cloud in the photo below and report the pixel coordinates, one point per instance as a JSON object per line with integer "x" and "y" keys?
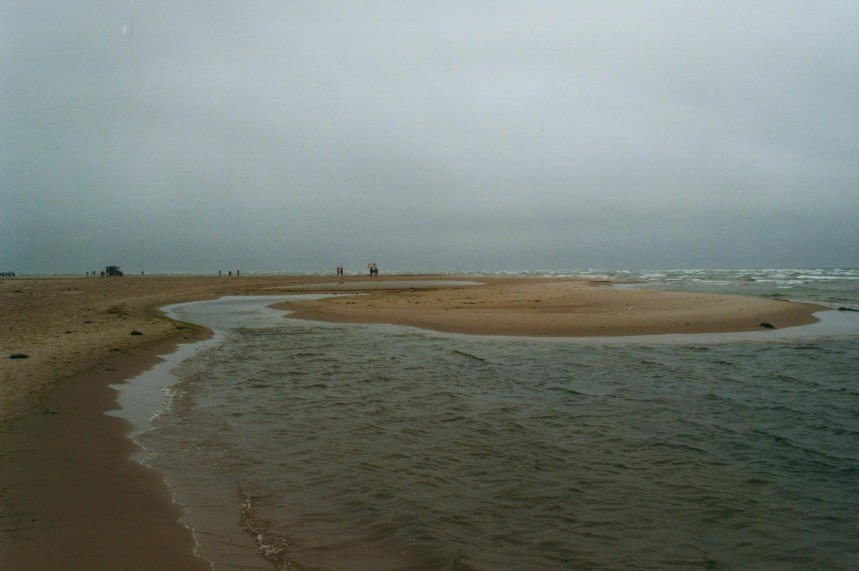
{"x": 288, "y": 137}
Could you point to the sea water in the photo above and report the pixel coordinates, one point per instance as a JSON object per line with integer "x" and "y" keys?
{"x": 299, "y": 445}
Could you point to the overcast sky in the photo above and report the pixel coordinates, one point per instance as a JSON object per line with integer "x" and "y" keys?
{"x": 296, "y": 136}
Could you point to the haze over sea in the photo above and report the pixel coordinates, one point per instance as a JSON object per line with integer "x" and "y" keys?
{"x": 299, "y": 445}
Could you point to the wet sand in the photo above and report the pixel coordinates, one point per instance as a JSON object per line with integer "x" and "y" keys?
{"x": 71, "y": 496}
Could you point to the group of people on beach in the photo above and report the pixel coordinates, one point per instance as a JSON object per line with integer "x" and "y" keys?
{"x": 230, "y": 273}
{"x": 374, "y": 270}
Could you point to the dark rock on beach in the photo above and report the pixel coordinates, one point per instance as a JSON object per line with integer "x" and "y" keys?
{"x": 19, "y": 356}
{"x": 766, "y": 325}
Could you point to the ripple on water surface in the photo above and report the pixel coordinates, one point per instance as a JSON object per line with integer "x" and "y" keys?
{"x": 364, "y": 447}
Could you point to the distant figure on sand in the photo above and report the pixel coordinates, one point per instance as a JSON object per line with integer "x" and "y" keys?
{"x": 339, "y": 270}
{"x": 374, "y": 271}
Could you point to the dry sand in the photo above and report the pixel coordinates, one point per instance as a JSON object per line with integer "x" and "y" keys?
{"x": 71, "y": 497}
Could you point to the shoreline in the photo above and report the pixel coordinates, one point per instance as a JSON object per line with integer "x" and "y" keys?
{"x": 71, "y": 493}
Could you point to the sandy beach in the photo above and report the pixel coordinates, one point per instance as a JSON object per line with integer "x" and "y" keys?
{"x": 70, "y": 494}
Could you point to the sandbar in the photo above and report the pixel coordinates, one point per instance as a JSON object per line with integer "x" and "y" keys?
{"x": 557, "y": 308}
